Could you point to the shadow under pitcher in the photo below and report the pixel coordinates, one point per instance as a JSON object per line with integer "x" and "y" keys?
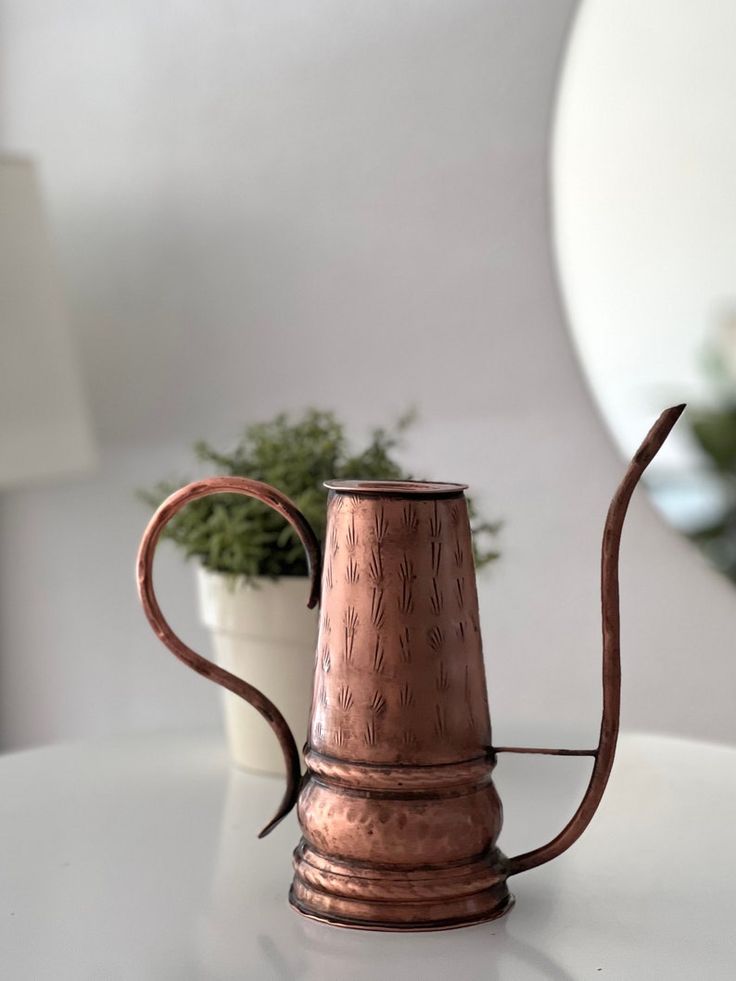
{"x": 397, "y": 808}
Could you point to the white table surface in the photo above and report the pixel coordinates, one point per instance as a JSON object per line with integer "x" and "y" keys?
{"x": 137, "y": 858}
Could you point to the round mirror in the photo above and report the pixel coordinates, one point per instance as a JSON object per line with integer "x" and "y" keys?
{"x": 644, "y": 191}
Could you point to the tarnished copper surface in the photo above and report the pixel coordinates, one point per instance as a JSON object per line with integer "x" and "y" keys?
{"x": 398, "y": 811}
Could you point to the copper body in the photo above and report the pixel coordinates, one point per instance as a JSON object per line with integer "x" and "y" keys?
{"x": 398, "y": 811}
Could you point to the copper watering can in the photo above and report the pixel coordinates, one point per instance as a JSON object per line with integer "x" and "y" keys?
{"x": 397, "y": 808}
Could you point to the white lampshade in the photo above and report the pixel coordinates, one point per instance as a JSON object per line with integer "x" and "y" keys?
{"x": 44, "y": 424}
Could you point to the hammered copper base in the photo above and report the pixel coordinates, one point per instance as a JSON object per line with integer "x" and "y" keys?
{"x": 374, "y": 898}
{"x": 347, "y": 924}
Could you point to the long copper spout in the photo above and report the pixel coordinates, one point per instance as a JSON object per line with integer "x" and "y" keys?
{"x": 606, "y": 749}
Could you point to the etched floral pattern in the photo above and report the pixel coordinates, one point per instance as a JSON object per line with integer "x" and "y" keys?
{"x": 400, "y": 663}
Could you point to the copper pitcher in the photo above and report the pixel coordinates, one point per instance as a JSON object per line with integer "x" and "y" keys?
{"x": 398, "y": 811}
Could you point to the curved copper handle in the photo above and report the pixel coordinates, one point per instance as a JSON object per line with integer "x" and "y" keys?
{"x": 606, "y": 749}
{"x": 279, "y": 502}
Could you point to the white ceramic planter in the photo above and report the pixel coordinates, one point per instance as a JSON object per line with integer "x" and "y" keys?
{"x": 264, "y": 633}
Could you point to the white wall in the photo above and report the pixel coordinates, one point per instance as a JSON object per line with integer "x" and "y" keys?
{"x": 272, "y": 204}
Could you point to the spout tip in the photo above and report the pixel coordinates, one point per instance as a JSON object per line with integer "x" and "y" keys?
{"x": 670, "y": 416}
{"x": 668, "y": 419}
{"x": 657, "y": 435}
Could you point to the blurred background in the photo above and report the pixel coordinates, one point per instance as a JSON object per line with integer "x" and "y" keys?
{"x": 644, "y": 188}
{"x": 515, "y": 215}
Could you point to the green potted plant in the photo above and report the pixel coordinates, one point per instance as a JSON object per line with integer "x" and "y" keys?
{"x": 251, "y": 567}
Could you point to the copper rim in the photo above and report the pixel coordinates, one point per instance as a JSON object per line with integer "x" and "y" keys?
{"x": 394, "y": 488}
